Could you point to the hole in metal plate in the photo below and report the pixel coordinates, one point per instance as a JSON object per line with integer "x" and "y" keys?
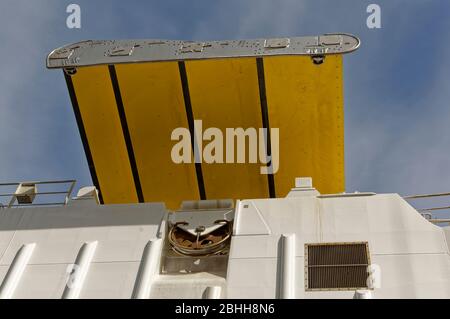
{"x": 193, "y": 47}
{"x": 330, "y": 40}
{"x": 125, "y": 50}
{"x": 277, "y": 43}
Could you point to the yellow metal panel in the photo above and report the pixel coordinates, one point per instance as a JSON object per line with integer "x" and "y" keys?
{"x": 306, "y": 102}
{"x": 154, "y": 107}
{"x": 100, "y": 117}
{"x": 224, "y": 94}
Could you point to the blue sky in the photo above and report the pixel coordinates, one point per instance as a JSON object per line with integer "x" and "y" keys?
{"x": 397, "y": 86}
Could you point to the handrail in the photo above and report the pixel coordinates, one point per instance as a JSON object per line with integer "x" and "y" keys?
{"x": 14, "y": 196}
{"x": 439, "y": 220}
{"x": 433, "y": 208}
{"x": 64, "y": 181}
{"x": 426, "y": 195}
{"x": 43, "y": 193}
{"x": 427, "y": 212}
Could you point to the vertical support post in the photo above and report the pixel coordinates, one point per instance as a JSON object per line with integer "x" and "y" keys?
{"x": 147, "y": 269}
{"x": 81, "y": 268}
{"x": 287, "y": 266}
{"x": 213, "y": 292}
{"x": 362, "y": 294}
{"x": 16, "y": 270}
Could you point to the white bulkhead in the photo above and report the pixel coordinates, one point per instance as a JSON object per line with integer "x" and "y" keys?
{"x": 122, "y": 251}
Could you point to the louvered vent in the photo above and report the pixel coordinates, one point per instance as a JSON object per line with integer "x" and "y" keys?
{"x": 336, "y": 266}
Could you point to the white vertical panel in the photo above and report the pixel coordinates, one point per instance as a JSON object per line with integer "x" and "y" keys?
{"x": 81, "y": 268}
{"x": 16, "y": 270}
{"x": 287, "y": 267}
{"x": 148, "y": 269}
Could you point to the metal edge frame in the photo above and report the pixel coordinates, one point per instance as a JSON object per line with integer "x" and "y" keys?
{"x": 99, "y": 52}
{"x": 307, "y": 289}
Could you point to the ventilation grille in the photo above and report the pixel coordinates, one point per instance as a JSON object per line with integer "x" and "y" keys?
{"x": 336, "y": 266}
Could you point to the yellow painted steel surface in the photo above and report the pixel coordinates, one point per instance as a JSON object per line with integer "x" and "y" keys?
{"x": 101, "y": 121}
{"x": 154, "y": 107}
{"x": 225, "y": 94}
{"x": 306, "y": 102}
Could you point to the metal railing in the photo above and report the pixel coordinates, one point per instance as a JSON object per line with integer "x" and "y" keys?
{"x": 38, "y": 198}
{"x": 427, "y": 212}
